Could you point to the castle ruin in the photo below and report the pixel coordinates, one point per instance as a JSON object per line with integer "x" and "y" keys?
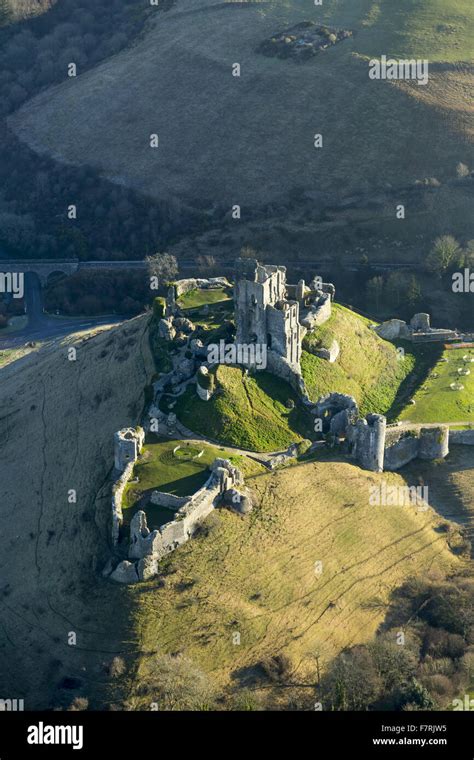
{"x": 273, "y": 313}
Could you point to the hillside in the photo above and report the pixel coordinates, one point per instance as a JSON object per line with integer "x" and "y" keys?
{"x": 253, "y": 576}
{"x": 255, "y": 143}
{"x": 368, "y": 367}
{"x": 246, "y": 412}
{"x": 257, "y": 577}
{"x": 56, "y": 434}
{"x": 13, "y": 10}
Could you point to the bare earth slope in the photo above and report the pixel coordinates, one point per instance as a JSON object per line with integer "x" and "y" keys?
{"x": 249, "y": 139}
{"x": 57, "y": 421}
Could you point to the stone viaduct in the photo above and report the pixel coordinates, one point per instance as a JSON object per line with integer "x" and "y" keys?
{"x": 44, "y": 268}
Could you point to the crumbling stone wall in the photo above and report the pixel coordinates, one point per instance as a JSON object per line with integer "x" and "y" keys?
{"x": 181, "y": 287}
{"x": 263, "y": 314}
{"x": 118, "y": 490}
{"x": 148, "y": 547}
{"x": 419, "y": 330}
{"x": 168, "y": 500}
{"x": 366, "y": 441}
{"x": 184, "y": 286}
{"x": 330, "y": 354}
{"x": 273, "y": 313}
{"x": 404, "y": 444}
{"x": 128, "y": 443}
{"x": 400, "y": 451}
{"x": 462, "y": 437}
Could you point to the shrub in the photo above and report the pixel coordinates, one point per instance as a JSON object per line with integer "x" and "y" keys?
{"x": 277, "y": 668}
{"x": 175, "y": 683}
{"x": 450, "y": 607}
{"x": 303, "y": 447}
{"x": 116, "y": 667}
{"x": 352, "y": 681}
{"x": 79, "y": 704}
{"x": 439, "y": 643}
{"x": 416, "y": 694}
{"x": 159, "y": 307}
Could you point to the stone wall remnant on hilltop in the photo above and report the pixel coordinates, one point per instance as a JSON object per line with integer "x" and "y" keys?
{"x": 419, "y": 330}
{"x": 147, "y": 548}
{"x": 181, "y": 287}
{"x": 128, "y": 443}
{"x": 405, "y": 444}
{"x": 366, "y": 441}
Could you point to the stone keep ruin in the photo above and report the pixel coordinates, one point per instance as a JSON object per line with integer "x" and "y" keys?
{"x": 270, "y": 312}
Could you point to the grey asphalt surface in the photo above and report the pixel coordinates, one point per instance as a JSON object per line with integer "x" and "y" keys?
{"x": 44, "y": 328}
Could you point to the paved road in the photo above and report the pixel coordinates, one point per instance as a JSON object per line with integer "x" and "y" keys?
{"x": 407, "y": 423}
{"x": 43, "y": 328}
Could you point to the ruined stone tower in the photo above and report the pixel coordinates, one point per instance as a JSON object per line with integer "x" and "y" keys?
{"x": 366, "y": 441}
{"x": 127, "y": 446}
{"x": 263, "y": 313}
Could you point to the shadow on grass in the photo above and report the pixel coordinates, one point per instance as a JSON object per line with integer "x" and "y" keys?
{"x": 426, "y": 357}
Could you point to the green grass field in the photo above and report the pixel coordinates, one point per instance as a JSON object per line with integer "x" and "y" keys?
{"x": 257, "y": 577}
{"x": 246, "y": 412}
{"x": 436, "y": 401}
{"x": 440, "y": 30}
{"x": 203, "y": 297}
{"x": 368, "y": 367}
{"x": 181, "y": 473}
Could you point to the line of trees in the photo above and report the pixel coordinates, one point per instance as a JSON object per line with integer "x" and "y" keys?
{"x": 424, "y": 664}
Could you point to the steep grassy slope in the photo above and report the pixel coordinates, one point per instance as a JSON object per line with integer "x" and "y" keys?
{"x": 368, "y": 367}
{"x": 246, "y": 412}
{"x": 259, "y": 578}
{"x": 251, "y": 138}
{"x": 439, "y": 30}
{"x": 56, "y": 434}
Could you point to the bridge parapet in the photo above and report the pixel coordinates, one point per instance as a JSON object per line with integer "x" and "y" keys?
{"x": 43, "y": 268}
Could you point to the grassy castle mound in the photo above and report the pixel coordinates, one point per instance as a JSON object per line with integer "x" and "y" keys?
{"x": 253, "y": 412}
{"x": 367, "y": 368}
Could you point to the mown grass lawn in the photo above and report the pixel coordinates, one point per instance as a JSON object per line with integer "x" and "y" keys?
{"x": 436, "y": 401}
